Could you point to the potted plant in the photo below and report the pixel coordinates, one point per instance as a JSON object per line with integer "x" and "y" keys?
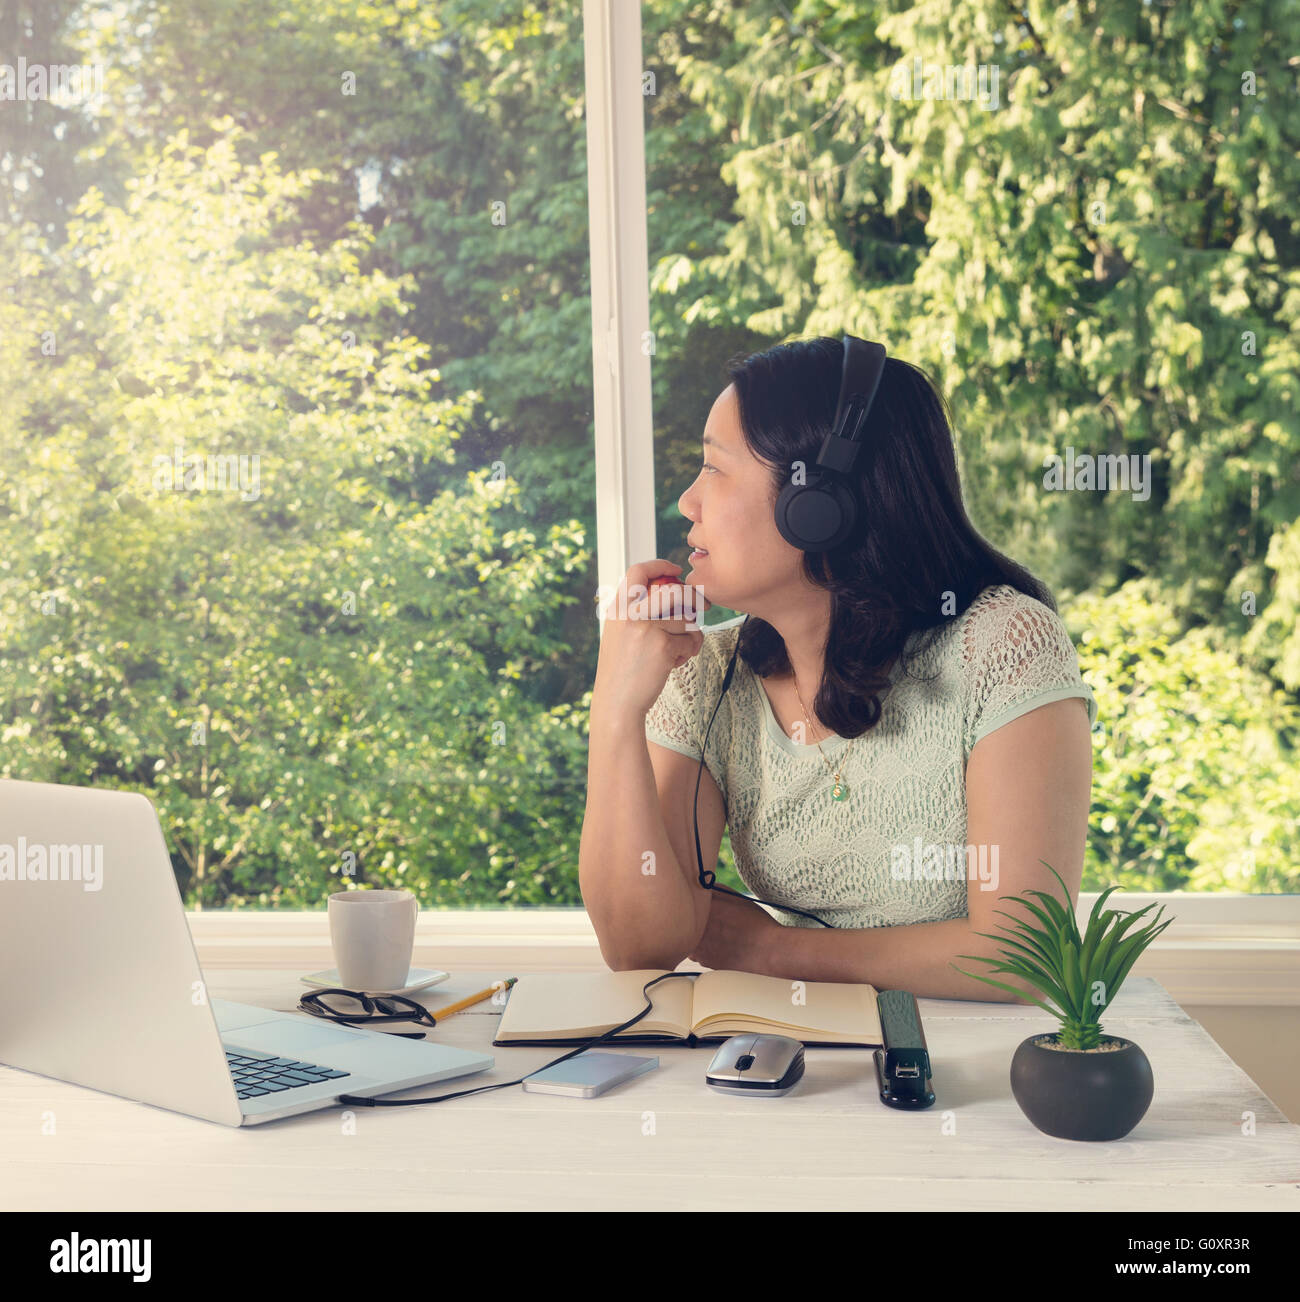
{"x": 1075, "y": 1083}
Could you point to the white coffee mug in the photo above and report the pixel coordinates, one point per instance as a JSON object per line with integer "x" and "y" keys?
{"x": 373, "y": 935}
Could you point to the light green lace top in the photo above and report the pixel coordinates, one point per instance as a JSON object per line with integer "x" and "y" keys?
{"x": 893, "y": 851}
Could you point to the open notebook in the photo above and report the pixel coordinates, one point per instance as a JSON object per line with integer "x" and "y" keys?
{"x": 559, "y": 1008}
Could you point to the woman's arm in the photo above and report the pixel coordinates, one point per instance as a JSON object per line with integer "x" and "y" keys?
{"x": 1028, "y": 789}
{"x": 636, "y": 861}
{"x": 637, "y": 897}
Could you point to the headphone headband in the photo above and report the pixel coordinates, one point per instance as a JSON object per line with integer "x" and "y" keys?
{"x": 860, "y": 372}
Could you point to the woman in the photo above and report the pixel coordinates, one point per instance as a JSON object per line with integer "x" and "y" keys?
{"x": 906, "y": 736}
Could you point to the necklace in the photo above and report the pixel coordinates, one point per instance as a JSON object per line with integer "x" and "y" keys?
{"x": 839, "y": 791}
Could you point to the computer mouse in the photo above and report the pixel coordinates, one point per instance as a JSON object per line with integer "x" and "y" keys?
{"x": 756, "y": 1064}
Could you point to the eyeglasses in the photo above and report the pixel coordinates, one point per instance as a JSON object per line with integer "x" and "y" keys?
{"x": 353, "y": 1007}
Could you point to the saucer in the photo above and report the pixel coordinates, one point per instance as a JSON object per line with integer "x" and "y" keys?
{"x": 418, "y": 978}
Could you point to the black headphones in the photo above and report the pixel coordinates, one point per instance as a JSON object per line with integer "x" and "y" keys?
{"x": 823, "y": 512}
{"x": 815, "y": 516}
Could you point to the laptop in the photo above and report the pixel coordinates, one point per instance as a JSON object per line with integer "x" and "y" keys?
{"x": 103, "y": 986}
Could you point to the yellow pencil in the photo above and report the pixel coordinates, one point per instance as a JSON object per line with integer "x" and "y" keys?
{"x": 472, "y": 999}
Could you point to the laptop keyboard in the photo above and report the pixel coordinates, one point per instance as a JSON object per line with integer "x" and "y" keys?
{"x": 255, "y": 1075}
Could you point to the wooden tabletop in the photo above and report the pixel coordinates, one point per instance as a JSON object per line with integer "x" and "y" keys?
{"x": 1211, "y": 1140}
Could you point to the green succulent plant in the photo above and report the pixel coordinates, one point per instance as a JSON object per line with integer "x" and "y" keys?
{"x": 1081, "y": 973}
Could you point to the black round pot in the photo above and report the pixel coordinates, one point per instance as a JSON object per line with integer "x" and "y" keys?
{"x": 1079, "y": 1094}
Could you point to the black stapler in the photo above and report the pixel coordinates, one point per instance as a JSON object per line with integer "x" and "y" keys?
{"x": 903, "y": 1065}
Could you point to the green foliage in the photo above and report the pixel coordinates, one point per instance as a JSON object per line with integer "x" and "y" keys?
{"x": 1196, "y": 775}
{"x": 1274, "y": 637}
{"x": 1082, "y": 974}
{"x": 313, "y": 671}
{"x": 1084, "y": 255}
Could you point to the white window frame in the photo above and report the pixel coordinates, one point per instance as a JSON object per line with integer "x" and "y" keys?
{"x": 620, "y": 289}
{"x": 1223, "y": 948}
{"x": 1240, "y": 950}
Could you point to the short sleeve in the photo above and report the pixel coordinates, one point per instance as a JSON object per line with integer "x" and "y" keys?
{"x": 674, "y": 719}
{"x": 1019, "y": 656}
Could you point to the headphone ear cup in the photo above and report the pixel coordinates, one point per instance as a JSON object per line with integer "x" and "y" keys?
{"x": 818, "y": 515}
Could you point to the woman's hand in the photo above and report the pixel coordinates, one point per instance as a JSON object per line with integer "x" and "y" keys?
{"x": 642, "y": 642}
{"x": 737, "y": 936}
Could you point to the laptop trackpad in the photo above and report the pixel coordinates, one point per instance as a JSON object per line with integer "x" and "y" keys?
{"x": 280, "y": 1037}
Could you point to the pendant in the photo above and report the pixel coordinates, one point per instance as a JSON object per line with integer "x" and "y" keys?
{"x": 840, "y": 792}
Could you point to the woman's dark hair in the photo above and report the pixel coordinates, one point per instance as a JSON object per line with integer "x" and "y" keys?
{"x": 915, "y": 564}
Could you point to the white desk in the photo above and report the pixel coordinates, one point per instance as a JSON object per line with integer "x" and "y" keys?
{"x": 665, "y": 1141}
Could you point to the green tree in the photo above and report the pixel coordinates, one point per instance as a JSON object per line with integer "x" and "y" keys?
{"x": 1196, "y": 780}
{"x": 1098, "y": 252}
{"x": 307, "y": 666}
